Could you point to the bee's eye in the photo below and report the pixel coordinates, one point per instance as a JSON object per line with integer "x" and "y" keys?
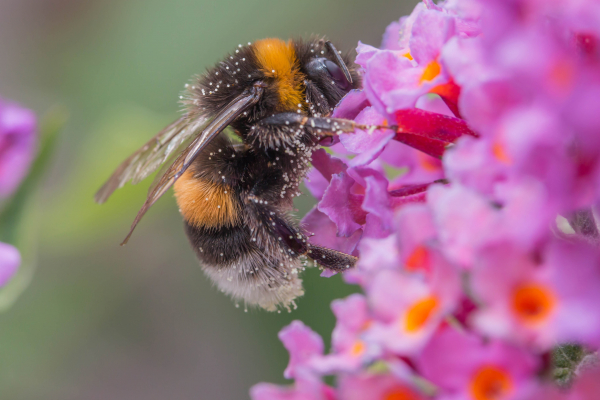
{"x": 335, "y": 71}
{"x": 324, "y": 69}
{"x": 337, "y": 74}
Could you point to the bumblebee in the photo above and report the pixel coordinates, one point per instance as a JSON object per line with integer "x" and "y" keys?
{"x": 236, "y": 198}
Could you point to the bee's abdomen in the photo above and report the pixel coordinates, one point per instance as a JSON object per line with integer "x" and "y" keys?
{"x": 205, "y": 203}
{"x": 219, "y": 246}
{"x": 239, "y": 267}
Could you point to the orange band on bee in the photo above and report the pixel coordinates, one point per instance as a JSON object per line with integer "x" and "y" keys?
{"x": 204, "y": 203}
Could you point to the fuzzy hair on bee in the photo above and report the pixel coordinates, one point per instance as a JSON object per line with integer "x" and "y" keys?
{"x": 236, "y": 199}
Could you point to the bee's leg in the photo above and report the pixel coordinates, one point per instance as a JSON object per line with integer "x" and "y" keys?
{"x": 285, "y": 129}
{"x": 331, "y": 259}
{"x": 277, "y": 224}
{"x": 317, "y": 125}
{"x": 426, "y": 131}
{"x": 296, "y": 241}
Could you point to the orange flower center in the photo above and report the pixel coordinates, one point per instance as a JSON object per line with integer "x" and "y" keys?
{"x": 532, "y": 303}
{"x": 562, "y": 75}
{"x": 357, "y": 348}
{"x": 432, "y": 70}
{"x": 428, "y": 163}
{"x": 366, "y": 325}
{"x": 408, "y": 55}
{"x": 500, "y": 153}
{"x": 490, "y": 383}
{"x": 420, "y": 312}
{"x": 418, "y": 259}
{"x": 401, "y": 393}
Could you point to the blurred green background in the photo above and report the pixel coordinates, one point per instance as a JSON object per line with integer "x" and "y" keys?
{"x": 101, "y": 321}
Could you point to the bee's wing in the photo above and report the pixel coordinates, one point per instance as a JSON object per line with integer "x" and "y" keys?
{"x": 183, "y": 161}
{"x": 150, "y": 156}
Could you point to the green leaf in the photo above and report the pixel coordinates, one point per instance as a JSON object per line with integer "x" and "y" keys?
{"x": 566, "y": 359}
{"x": 19, "y": 219}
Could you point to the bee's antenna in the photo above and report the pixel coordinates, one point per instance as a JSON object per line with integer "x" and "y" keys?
{"x": 339, "y": 61}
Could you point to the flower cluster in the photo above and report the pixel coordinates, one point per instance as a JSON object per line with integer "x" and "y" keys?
{"x": 17, "y": 151}
{"x": 473, "y": 216}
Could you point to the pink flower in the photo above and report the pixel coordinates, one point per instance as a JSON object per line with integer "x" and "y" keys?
{"x": 472, "y": 205}
{"x": 303, "y": 344}
{"x": 301, "y": 390}
{"x": 415, "y": 166}
{"x": 10, "y": 259}
{"x": 395, "y": 79}
{"x": 349, "y": 351}
{"x": 467, "y": 221}
{"x": 376, "y": 255}
{"x": 372, "y": 142}
{"x": 407, "y": 250}
{"x": 325, "y": 232}
{"x": 586, "y": 387}
{"x": 394, "y": 82}
{"x": 353, "y": 317}
{"x": 539, "y": 298}
{"x": 326, "y": 167}
{"x": 17, "y": 150}
{"x": 17, "y": 145}
{"x": 417, "y": 235}
{"x": 376, "y": 387}
{"x": 463, "y": 366}
{"x": 358, "y": 197}
{"x": 405, "y": 319}
{"x": 342, "y": 206}
{"x": 530, "y": 88}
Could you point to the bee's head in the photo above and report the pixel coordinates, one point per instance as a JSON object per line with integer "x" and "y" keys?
{"x": 294, "y": 76}
{"x": 309, "y": 77}
{"x": 330, "y": 75}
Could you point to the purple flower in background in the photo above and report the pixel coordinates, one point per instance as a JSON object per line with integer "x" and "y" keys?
{"x": 10, "y": 259}
{"x": 17, "y": 145}
{"x": 474, "y": 215}
{"x": 17, "y": 149}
